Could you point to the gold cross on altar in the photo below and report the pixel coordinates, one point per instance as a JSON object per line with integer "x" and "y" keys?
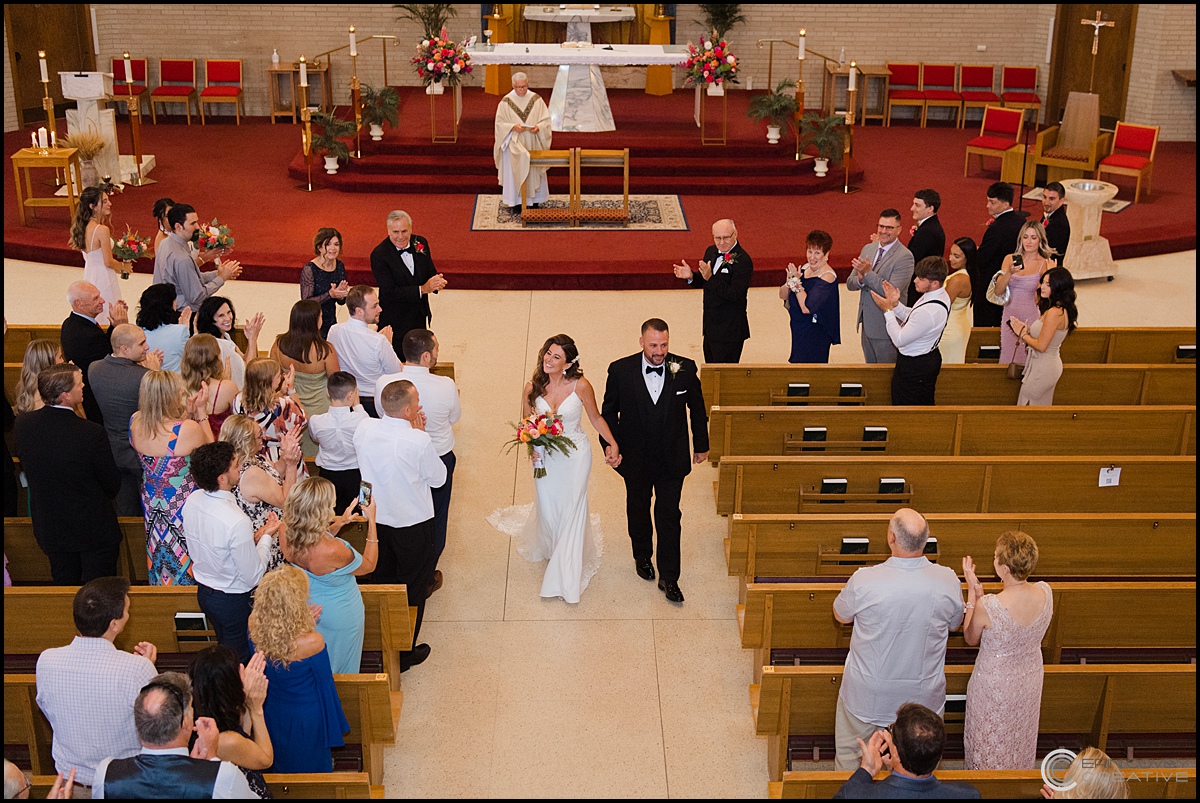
{"x": 1096, "y": 24}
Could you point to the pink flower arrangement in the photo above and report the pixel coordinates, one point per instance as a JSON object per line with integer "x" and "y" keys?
{"x": 214, "y": 235}
{"x": 438, "y": 59}
{"x": 709, "y": 63}
{"x": 541, "y": 433}
{"x": 130, "y": 246}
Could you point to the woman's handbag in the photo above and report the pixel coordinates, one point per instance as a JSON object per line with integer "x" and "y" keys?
{"x": 991, "y": 296}
{"x": 1015, "y": 369}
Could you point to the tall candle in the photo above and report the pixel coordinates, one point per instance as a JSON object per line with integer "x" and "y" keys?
{"x": 303, "y": 72}
{"x": 853, "y": 71}
{"x": 42, "y": 141}
{"x": 353, "y": 42}
{"x": 802, "y": 44}
{"x": 53, "y": 139}
{"x": 33, "y": 139}
{"x": 42, "y": 64}
{"x": 128, "y": 68}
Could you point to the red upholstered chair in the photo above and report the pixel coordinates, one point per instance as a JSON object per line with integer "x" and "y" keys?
{"x": 223, "y": 84}
{"x": 1140, "y": 142}
{"x": 1018, "y": 88}
{"x": 121, "y": 89}
{"x": 939, "y": 85}
{"x": 977, "y": 84}
{"x": 176, "y": 84}
{"x": 906, "y": 76}
{"x": 1000, "y": 132}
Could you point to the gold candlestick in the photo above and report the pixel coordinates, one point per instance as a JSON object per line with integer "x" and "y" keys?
{"x": 135, "y": 125}
{"x": 306, "y": 118}
{"x": 51, "y": 121}
{"x": 356, "y": 101}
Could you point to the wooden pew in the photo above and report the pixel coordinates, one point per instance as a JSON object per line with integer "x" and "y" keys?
{"x": 727, "y": 385}
{"x": 306, "y": 786}
{"x": 1150, "y": 783}
{"x": 39, "y": 617}
{"x": 959, "y": 430}
{"x": 372, "y": 710}
{"x": 1013, "y": 484}
{"x": 1093, "y": 700}
{"x": 17, "y": 338}
{"x": 1103, "y": 345}
{"x": 1069, "y": 544}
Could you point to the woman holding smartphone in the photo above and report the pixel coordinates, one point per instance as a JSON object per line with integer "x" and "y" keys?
{"x": 1017, "y": 285}
{"x": 1056, "y": 300}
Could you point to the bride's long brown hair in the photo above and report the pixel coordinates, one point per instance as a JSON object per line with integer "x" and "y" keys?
{"x": 572, "y": 371}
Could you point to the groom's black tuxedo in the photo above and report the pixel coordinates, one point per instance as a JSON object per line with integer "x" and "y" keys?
{"x": 404, "y": 306}
{"x": 653, "y": 440}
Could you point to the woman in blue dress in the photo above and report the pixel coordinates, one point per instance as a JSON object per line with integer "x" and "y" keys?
{"x": 331, "y": 565}
{"x": 302, "y": 711}
{"x": 811, "y": 298}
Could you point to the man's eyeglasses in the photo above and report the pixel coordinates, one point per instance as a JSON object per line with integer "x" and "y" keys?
{"x": 888, "y": 228}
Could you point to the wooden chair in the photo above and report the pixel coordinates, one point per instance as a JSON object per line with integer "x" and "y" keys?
{"x": 601, "y": 158}
{"x": 176, "y": 84}
{"x": 908, "y": 77}
{"x": 977, "y": 84}
{"x": 999, "y": 132}
{"x": 223, "y": 84}
{"x": 121, "y": 88}
{"x": 1018, "y": 89}
{"x": 939, "y": 85}
{"x": 1140, "y": 142}
{"x": 1073, "y": 148}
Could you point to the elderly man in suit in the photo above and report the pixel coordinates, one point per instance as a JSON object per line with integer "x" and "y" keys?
{"x": 84, "y": 341}
{"x": 725, "y": 274}
{"x": 999, "y": 240}
{"x": 888, "y": 260}
{"x": 404, "y": 273}
{"x": 927, "y": 239}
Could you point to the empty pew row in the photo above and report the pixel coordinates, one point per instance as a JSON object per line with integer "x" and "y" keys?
{"x": 1006, "y": 484}
{"x": 1167, "y": 344}
{"x": 298, "y": 786}
{"x": 726, "y": 385}
{"x": 951, "y": 431}
{"x": 1092, "y": 616}
{"x": 1094, "y": 701}
{"x": 372, "y": 710}
{"x": 1150, "y": 783}
{"x": 37, "y": 618}
{"x": 1069, "y": 545}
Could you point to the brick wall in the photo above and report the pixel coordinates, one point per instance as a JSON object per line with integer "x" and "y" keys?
{"x": 1165, "y": 41}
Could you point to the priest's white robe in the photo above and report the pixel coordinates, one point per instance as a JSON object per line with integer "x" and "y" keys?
{"x": 512, "y": 148}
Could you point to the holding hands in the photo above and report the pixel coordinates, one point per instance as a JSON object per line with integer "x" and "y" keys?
{"x": 612, "y": 455}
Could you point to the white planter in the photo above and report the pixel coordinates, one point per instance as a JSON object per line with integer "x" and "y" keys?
{"x": 331, "y": 165}
{"x": 773, "y": 132}
{"x": 822, "y": 166}
{"x": 715, "y": 90}
{"x": 376, "y": 132}
{"x": 435, "y": 89}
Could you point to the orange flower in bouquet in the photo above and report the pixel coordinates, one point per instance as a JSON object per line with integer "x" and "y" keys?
{"x": 541, "y": 433}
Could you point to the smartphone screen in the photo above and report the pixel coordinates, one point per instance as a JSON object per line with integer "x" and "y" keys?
{"x": 1018, "y": 260}
{"x": 364, "y": 493}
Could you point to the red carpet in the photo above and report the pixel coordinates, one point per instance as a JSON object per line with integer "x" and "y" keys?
{"x": 241, "y": 175}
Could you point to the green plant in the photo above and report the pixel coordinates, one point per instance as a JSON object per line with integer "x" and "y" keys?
{"x": 778, "y": 107}
{"x": 329, "y": 139}
{"x": 380, "y": 106}
{"x": 432, "y": 17}
{"x": 826, "y": 134}
{"x": 720, "y": 17}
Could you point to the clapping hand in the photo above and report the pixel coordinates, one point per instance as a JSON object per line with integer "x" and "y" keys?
{"x": 890, "y": 297}
{"x": 683, "y": 270}
{"x": 271, "y": 527}
{"x": 417, "y": 418}
{"x": 315, "y": 612}
{"x": 860, "y": 265}
{"x": 872, "y": 751}
{"x": 974, "y": 587}
{"x": 289, "y": 446}
{"x": 340, "y": 290}
{"x": 254, "y": 682}
{"x": 435, "y": 283}
{"x": 118, "y": 312}
{"x": 387, "y": 333}
{"x": 207, "y": 736}
{"x": 289, "y": 379}
{"x": 146, "y": 650}
{"x": 229, "y": 269}
{"x": 62, "y": 790}
{"x": 185, "y": 316}
{"x": 195, "y": 403}
{"x": 792, "y": 271}
{"x": 252, "y": 328}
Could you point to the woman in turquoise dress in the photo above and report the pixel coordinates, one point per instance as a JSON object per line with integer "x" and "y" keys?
{"x": 331, "y": 565}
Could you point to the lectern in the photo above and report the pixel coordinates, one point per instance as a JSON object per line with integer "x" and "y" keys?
{"x": 89, "y": 90}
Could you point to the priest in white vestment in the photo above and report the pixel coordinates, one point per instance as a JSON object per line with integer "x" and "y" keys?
{"x": 522, "y": 125}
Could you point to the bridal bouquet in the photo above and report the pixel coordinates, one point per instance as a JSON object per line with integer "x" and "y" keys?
{"x": 709, "y": 63}
{"x": 215, "y": 235}
{"x": 438, "y": 59}
{"x": 130, "y": 246}
{"x": 541, "y": 433}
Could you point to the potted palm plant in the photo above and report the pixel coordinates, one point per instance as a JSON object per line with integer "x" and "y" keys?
{"x": 827, "y": 135}
{"x": 328, "y": 140}
{"x": 380, "y": 106}
{"x": 432, "y": 17}
{"x": 720, "y": 17}
{"x": 778, "y": 108}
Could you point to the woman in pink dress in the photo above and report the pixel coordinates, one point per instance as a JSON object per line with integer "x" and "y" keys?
{"x": 1017, "y": 284}
{"x": 1004, "y": 696}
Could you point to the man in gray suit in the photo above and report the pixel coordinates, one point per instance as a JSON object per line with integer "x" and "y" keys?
{"x": 884, "y": 260}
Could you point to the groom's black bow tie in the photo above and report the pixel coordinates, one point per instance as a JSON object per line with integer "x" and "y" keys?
{"x": 650, "y": 369}
{"x": 406, "y": 250}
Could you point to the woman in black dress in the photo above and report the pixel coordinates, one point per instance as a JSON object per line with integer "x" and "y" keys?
{"x": 324, "y": 278}
{"x": 811, "y": 297}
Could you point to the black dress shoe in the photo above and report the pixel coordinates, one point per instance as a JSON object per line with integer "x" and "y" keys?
{"x": 671, "y": 590}
{"x": 418, "y": 655}
{"x": 645, "y": 570}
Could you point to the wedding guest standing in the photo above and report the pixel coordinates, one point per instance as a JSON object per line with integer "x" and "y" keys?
{"x": 1016, "y": 286}
{"x": 403, "y": 268}
{"x": 233, "y": 696}
{"x": 999, "y": 240}
{"x": 165, "y": 326}
{"x": 926, "y": 237}
{"x": 323, "y": 278}
{"x": 884, "y": 260}
{"x": 269, "y": 398}
{"x": 217, "y": 318}
{"x": 84, "y": 341}
{"x": 724, "y": 274}
{"x": 203, "y": 371}
{"x": 90, "y": 234}
{"x": 261, "y": 485}
{"x": 1004, "y": 695}
{"x": 40, "y": 353}
{"x": 1044, "y": 366}
{"x": 953, "y": 344}
{"x": 175, "y": 262}
{"x": 1054, "y": 221}
{"x": 304, "y": 349}
{"x": 811, "y": 298}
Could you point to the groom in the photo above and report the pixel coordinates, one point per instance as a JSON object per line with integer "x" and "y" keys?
{"x": 646, "y": 401}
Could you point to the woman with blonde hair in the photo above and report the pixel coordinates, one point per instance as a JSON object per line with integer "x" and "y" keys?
{"x": 1015, "y": 286}
{"x": 262, "y": 486}
{"x": 90, "y": 235}
{"x": 1004, "y": 695}
{"x": 39, "y": 354}
{"x": 1095, "y": 777}
{"x": 302, "y": 711}
{"x": 167, "y": 427}
{"x": 268, "y": 397}
{"x": 331, "y": 565}
{"x": 201, "y": 363}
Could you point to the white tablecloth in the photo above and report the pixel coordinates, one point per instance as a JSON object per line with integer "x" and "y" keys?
{"x": 520, "y": 53}
{"x": 589, "y": 15}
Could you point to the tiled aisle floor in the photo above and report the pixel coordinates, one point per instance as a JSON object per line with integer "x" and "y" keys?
{"x": 624, "y": 694}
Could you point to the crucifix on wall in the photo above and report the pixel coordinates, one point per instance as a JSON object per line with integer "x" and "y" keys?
{"x": 1096, "y": 24}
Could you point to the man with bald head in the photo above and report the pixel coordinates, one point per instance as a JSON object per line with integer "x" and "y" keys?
{"x": 83, "y": 341}
{"x": 903, "y": 611}
{"x": 725, "y": 274}
{"x": 115, "y": 382}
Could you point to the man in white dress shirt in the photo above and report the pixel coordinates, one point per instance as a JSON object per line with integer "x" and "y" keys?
{"x": 362, "y": 351}
{"x": 439, "y": 403}
{"x": 915, "y": 332}
{"x": 228, "y": 556}
{"x": 397, "y": 457}
{"x": 522, "y": 125}
{"x": 333, "y": 432}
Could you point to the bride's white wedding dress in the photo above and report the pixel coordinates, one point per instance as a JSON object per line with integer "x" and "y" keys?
{"x": 558, "y": 527}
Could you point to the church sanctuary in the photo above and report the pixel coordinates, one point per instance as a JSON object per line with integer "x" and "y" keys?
{"x": 593, "y": 401}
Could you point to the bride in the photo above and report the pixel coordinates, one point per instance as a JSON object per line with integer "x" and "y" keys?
{"x": 558, "y": 527}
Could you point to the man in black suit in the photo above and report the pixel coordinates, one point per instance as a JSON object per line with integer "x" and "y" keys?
{"x": 927, "y": 238}
{"x": 403, "y": 268}
{"x": 999, "y": 240}
{"x": 72, "y": 481}
{"x": 83, "y": 341}
{"x": 1054, "y": 221}
{"x": 647, "y": 400}
{"x": 725, "y": 274}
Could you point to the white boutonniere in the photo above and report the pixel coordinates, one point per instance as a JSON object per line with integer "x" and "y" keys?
{"x": 674, "y": 367}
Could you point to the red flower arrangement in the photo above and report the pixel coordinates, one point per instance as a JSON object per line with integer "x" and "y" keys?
{"x": 130, "y": 246}
{"x": 541, "y": 433}
{"x": 438, "y": 59}
{"x": 710, "y": 63}
{"x": 214, "y": 235}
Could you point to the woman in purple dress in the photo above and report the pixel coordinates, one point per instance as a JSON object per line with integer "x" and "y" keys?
{"x": 1004, "y": 696}
{"x": 810, "y": 295}
{"x": 1017, "y": 286}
